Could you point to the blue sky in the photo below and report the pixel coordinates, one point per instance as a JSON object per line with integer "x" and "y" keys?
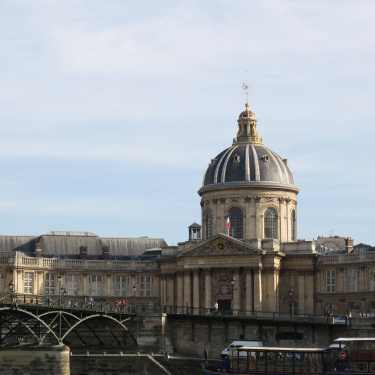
{"x": 111, "y": 110}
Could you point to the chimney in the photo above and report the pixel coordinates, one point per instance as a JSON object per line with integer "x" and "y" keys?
{"x": 83, "y": 252}
{"x": 349, "y": 244}
{"x": 105, "y": 250}
{"x": 38, "y": 250}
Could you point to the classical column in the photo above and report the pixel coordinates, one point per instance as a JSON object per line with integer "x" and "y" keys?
{"x": 236, "y": 291}
{"x": 258, "y": 217}
{"x": 301, "y": 292}
{"x": 196, "y": 291}
{"x": 283, "y": 221}
{"x": 109, "y": 291}
{"x": 257, "y": 289}
{"x": 247, "y": 221}
{"x": 249, "y": 295}
{"x": 170, "y": 289}
{"x": 180, "y": 292}
{"x": 187, "y": 289}
{"x": 271, "y": 291}
{"x": 207, "y": 292}
{"x": 85, "y": 285}
{"x": 309, "y": 276}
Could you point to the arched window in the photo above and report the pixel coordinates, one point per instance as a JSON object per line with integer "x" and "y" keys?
{"x": 293, "y": 307}
{"x": 270, "y": 224}
{"x": 354, "y": 308}
{"x": 332, "y": 308}
{"x": 292, "y": 279}
{"x": 209, "y": 224}
{"x": 236, "y": 223}
{"x": 293, "y": 225}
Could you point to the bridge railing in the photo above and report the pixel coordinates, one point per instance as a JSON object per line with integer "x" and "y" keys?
{"x": 66, "y": 302}
{"x": 255, "y": 315}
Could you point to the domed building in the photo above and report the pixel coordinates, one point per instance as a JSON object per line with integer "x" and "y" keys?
{"x": 253, "y": 185}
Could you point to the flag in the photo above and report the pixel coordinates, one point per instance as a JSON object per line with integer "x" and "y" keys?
{"x": 228, "y": 221}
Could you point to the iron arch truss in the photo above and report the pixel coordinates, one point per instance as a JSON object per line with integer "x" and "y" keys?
{"x": 42, "y": 324}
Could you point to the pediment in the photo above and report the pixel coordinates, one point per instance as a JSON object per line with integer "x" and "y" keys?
{"x": 221, "y": 245}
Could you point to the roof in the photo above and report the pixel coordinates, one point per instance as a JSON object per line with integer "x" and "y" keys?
{"x": 356, "y": 339}
{"x": 77, "y": 234}
{"x": 249, "y": 164}
{"x": 195, "y": 225}
{"x": 63, "y": 244}
{"x": 278, "y": 349}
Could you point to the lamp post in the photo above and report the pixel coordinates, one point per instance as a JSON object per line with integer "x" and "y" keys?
{"x": 290, "y": 292}
{"x": 134, "y": 289}
{"x": 233, "y": 283}
{"x": 60, "y": 279}
{"x": 11, "y": 291}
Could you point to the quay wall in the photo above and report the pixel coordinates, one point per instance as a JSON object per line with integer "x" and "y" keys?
{"x": 35, "y": 360}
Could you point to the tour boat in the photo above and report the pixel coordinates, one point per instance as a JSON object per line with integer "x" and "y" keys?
{"x": 348, "y": 356}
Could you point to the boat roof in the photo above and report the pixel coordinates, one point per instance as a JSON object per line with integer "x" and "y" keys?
{"x": 355, "y": 339}
{"x": 278, "y": 349}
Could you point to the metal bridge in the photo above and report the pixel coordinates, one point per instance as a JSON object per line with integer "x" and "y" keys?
{"x": 26, "y": 319}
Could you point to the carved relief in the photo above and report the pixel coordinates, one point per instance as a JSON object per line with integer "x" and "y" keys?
{"x": 207, "y": 202}
{"x": 222, "y": 275}
{"x": 224, "y": 290}
{"x": 202, "y": 203}
{"x": 257, "y": 199}
{"x": 281, "y": 200}
{"x": 214, "y": 201}
{"x": 222, "y": 200}
{"x": 248, "y": 199}
{"x": 235, "y": 199}
{"x": 287, "y": 200}
{"x": 268, "y": 199}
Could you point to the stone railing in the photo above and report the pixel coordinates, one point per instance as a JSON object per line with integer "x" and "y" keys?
{"x": 347, "y": 258}
{"x": 26, "y": 262}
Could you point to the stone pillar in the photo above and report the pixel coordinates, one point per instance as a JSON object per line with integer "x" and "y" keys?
{"x": 301, "y": 292}
{"x": 283, "y": 222}
{"x": 85, "y": 285}
{"x": 309, "y": 306}
{"x": 257, "y": 289}
{"x": 247, "y": 220}
{"x": 272, "y": 289}
{"x": 237, "y": 291}
{"x": 207, "y": 292}
{"x": 249, "y": 294}
{"x": 180, "y": 292}
{"x": 187, "y": 289}
{"x": 258, "y": 218}
{"x": 170, "y": 289}
{"x": 110, "y": 292}
{"x": 196, "y": 291}
{"x": 221, "y": 217}
{"x": 252, "y": 225}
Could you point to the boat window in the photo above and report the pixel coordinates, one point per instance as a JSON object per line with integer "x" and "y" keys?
{"x": 372, "y": 367}
{"x": 361, "y": 367}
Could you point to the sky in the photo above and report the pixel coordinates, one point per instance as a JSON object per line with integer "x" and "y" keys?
{"x": 110, "y": 111}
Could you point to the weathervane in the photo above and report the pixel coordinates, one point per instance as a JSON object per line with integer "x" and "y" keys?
{"x": 245, "y": 86}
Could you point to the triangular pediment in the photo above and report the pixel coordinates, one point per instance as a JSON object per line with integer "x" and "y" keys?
{"x": 221, "y": 245}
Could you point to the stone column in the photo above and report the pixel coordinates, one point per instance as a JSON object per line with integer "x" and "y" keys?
{"x": 85, "y": 285}
{"x": 207, "y": 292}
{"x": 272, "y": 289}
{"x": 221, "y": 217}
{"x": 247, "y": 221}
{"x": 170, "y": 289}
{"x": 196, "y": 291}
{"x": 237, "y": 291}
{"x": 283, "y": 221}
{"x": 309, "y": 277}
{"x": 180, "y": 292}
{"x": 258, "y": 224}
{"x": 187, "y": 289}
{"x": 301, "y": 292}
{"x": 249, "y": 295}
{"x": 110, "y": 292}
{"x": 257, "y": 289}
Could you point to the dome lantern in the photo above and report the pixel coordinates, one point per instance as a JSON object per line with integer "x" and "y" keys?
{"x": 247, "y": 128}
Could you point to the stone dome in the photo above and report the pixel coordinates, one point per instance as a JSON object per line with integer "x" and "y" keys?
{"x": 248, "y": 161}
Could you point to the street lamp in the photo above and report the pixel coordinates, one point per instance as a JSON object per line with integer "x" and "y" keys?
{"x": 134, "y": 289}
{"x": 60, "y": 279}
{"x": 290, "y": 292}
{"x": 11, "y": 291}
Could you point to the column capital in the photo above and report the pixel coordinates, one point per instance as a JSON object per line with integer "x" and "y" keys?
{"x": 207, "y": 271}
{"x": 247, "y": 270}
{"x": 196, "y": 271}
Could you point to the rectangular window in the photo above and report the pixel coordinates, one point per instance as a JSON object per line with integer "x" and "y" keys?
{"x": 361, "y": 367}
{"x": 121, "y": 286}
{"x": 371, "y": 279}
{"x": 73, "y": 285}
{"x": 50, "y": 283}
{"x": 96, "y": 285}
{"x": 330, "y": 281}
{"x": 28, "y": 282}
{"x": 2, "y": 281}
{"x": 353, "y": 280}
{"x": 145, "y": 286}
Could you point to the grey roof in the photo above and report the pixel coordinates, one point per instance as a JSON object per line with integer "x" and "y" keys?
{"x": 247, "y": 164}
{"x": 195, "y": 225}
{"x": 70, "y": 244}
